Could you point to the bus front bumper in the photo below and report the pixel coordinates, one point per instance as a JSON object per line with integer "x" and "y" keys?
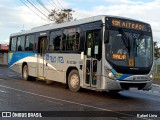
{"x": 127, "y": 85}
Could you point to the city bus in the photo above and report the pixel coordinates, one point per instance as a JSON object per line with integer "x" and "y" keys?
{"x": 102, "y": 53}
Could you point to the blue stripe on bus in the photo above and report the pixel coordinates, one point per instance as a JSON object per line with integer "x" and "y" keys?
{"x": 124, "y": 76}
{"x": 14, "y": 57}
{"x": 120, "y": 76}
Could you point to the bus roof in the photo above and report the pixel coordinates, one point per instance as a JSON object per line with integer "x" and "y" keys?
{"x": 67, "y": 24}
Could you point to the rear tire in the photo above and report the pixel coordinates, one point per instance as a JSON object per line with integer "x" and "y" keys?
{"x": 25, "y": 75}
{"x": 74, "y": 81}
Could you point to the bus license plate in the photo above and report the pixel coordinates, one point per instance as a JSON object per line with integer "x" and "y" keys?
{"x": 133, "y": 88}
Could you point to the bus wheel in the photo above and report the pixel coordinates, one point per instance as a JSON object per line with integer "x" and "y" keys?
{"x": 25, "y": 75}
{"x": 74, "y": 81}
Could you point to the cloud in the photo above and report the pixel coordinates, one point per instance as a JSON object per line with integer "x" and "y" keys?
{"x": 17, "y": 18}
{"x": 147, "y": 12}
{"x": 128, "y": 2}
{"x": 5, "y": 41}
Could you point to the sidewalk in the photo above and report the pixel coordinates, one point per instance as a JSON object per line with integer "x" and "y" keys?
{"x": 156, "y": 82}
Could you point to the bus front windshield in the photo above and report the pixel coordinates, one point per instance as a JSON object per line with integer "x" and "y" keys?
{"x": 129, "y": 49}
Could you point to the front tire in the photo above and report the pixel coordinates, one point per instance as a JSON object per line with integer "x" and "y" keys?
{"x": 74, "y": 81}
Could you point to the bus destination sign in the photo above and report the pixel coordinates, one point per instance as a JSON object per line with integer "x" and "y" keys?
{"x": 130, "y": 24}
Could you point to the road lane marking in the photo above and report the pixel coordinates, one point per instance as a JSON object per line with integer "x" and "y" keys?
{"x": 53, "y": 102}
{"x": 3, "y": 91}
{"x": 71, "y": 102}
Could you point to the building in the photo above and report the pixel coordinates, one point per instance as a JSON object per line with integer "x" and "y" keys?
{"x": 3, "y": 54}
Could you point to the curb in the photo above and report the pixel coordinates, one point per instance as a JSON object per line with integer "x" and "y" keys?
{"x": 3, "y": 65}
{"x": 156, "y": 85}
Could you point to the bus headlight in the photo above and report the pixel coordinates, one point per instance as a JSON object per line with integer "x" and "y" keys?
{"x": 151, "y": 76}
{"x": 110, "y": 74}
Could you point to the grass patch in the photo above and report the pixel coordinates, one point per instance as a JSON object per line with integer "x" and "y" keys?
{"x": 156, "y": 72}
{"x": 157, "y": 77}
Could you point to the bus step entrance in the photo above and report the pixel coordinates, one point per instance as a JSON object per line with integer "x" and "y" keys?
{"x": 41, "y": 78}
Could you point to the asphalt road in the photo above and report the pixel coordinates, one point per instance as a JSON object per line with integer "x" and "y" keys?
{"x": 18, "y": 95}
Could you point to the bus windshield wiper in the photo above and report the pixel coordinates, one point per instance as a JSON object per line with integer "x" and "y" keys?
{"x": 125, "y": 39}
{"x": 139, "y": 38}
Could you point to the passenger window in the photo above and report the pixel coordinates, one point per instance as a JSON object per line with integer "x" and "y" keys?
{"x": 13, "y": 44}
{"x": 55, "y": 40}
{"x": 20, "y": 43}
{"x": 71, "y": 39}
{"x": 30, "y": 43}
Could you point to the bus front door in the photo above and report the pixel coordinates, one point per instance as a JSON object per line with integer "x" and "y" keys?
{"x": 41, "y": 56}
{"x": 92, "y": 38}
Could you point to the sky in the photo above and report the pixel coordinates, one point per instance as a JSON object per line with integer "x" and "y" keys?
{"x": 16, "y": 16}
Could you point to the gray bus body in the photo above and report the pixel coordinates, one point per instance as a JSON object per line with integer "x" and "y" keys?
{"x": 82, "y": 49}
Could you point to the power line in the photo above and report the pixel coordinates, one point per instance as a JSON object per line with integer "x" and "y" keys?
{"x": 41, "y": 7}
{"x": 37, "y": 8}
{"x": 55, "y": 4}
{"x": 60, "y": 4}
{"x": 41, "y": 3}
{"x": 33, "y": 11}
{"x": 51, "y": 3}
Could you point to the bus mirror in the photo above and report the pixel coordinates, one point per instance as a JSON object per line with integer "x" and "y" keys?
{"x": 106, "y": 36}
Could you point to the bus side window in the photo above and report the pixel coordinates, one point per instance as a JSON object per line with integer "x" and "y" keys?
{"x": 71, "y": 39}
{"x": 76, "y": 41}
{"x": 29, "y": 46}
{"x": 20, "y": 43}
{"x": 55, "y": 39}
{"x": 13, "y": 44}
{"x": 63, "y": 44}
{"x": 51, "y": 42}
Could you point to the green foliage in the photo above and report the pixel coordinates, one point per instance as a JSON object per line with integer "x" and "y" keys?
{"x": 156, "y": 51}
{"x": 59, "y": 16}
{"x": 157, "y": 72}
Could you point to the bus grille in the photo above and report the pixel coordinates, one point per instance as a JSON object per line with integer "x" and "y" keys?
{"x": 126, "y": 86}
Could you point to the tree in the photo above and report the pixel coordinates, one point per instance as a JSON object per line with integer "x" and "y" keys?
{"x": 156, "y": 51}
{"x": 60, "y": 16}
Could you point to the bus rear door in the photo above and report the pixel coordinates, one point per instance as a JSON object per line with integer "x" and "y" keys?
{"x": 41, "y": 56}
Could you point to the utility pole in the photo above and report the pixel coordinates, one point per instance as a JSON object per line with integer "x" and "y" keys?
{"x": 67, "y": 11}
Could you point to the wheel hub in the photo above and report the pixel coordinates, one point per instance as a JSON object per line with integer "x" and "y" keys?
{"x": 74, "y": 81}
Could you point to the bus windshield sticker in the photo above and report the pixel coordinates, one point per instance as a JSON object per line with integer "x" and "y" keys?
{"x": 131, "y": 62}
{"x": 119, "y": 56}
